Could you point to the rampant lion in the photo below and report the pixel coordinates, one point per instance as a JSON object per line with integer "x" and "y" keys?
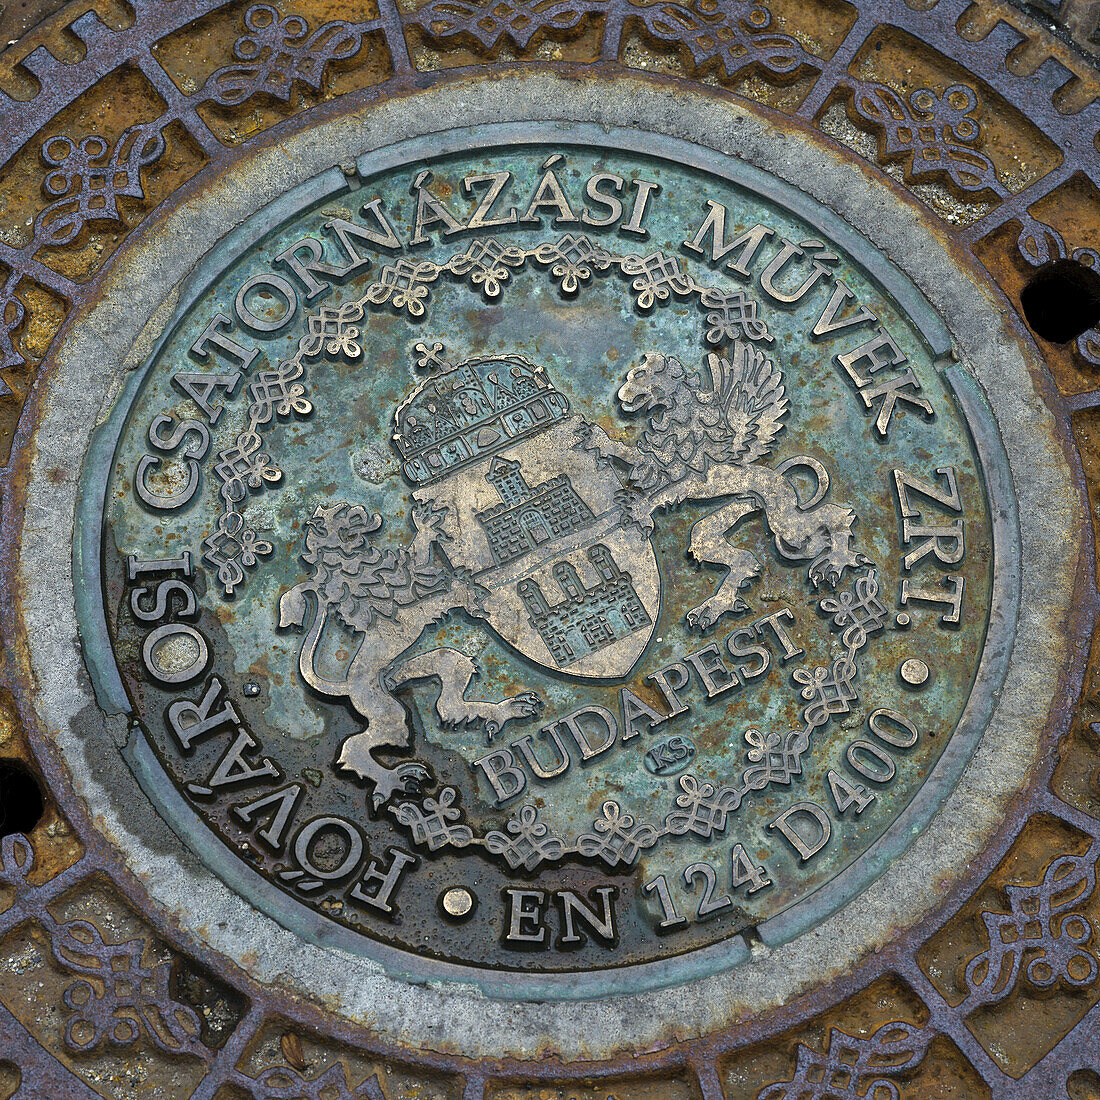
{"x": 389, "y": 597}
{"x": 706, "y": 440}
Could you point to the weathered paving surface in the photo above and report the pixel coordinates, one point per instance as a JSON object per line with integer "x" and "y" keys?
{"x": 119, "y": 122}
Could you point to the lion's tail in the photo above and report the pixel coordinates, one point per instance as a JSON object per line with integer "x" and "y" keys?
{"x": 293, "y": 607}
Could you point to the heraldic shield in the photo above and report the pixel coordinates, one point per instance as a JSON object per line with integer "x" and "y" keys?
{"x": 531, "y": 515}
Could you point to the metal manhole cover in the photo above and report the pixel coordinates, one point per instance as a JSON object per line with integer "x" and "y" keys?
{"x": 288, "y": 579}
{"x": 548, "y": 579}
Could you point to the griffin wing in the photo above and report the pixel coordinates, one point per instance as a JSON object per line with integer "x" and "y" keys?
{"x": 749, "y": 391}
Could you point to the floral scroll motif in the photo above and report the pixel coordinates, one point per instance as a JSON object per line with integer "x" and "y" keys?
{"x": 118, "y": 999}
{"x": 91, "y": 176}
{"x": 517, "y": 20}
{"x": 432, "y": 823}
{"x": 572, "y": 260}
{"x": 702, "y": 808}
{"x": 1042, "y": 936}
{"x": 88, "y": 176}
{"x": 277, "y": 52}
{"x": 284, "y": 1083}
{"x": 616, "y": 837}
{"x": 937, "y": 133}
{"x": 526, "y": 841}
{"x": 736, "y": 33}
{"x": 853, "y": 1068}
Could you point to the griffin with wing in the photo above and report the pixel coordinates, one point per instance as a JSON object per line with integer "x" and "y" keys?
{"x": 706, "y": 439}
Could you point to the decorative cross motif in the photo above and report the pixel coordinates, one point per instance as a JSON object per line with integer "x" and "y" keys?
{"x": 778, "y": 756}
{"x": 658, "y": 276}
{"x": 829, "y": 689}
{"x": 1039, "y": 927}
{"x": 432, "y": 358}
{"x": 431, "y": 823}
{"x": 573, "y": 258}
{"x": 487, "y": 262}
{"x": 852, "y": 1068}
{"x": 860, "y": 611}
{"x": 529, "y": 845}
{"x": 732, "y": 316}
{"x": 703, "y": 808}
{"x": 617, "y": 838}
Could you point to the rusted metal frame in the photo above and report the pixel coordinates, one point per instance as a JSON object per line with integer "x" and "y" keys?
{"x": 1082, "y": 402}
{"x": 44, "y": 1077}
{"x": 835, "y": 69}
{"x": 710, "y": 1084}
{"x": 22, "y": 259}
{"x": 394, "y": 30}
{"x": 184, "y": 108}
{"x": 1017, "y": 205}
{"x": 945, "y": 1020}
{"x": 670, "y": 1059}
{"x": 225, "y": 1060}
{"x": 1064, "y": 128}
{"x": 48, "y": 892}
{"x": 1076, "y": 1050}
{"x": 61, "y": 83}
{"x": 1046, "y": 800}
{"x": 181, "y": 105}
{"x": 474, "y": 1087}
{"x": 614, "y": 26}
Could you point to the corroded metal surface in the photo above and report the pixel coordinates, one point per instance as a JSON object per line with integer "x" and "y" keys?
{"x": 637, "y": 725}
{"x": 263, "y": 539}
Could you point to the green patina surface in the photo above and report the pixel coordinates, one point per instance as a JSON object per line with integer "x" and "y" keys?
{"x": 586, "y": 342}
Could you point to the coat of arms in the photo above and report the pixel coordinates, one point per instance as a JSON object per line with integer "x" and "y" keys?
{"x": 538, "y": 522}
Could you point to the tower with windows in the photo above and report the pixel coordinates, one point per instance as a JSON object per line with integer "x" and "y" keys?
{"x": 586, "y": 619}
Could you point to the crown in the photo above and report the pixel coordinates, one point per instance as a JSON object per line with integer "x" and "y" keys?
{"x": 471, "y": 411}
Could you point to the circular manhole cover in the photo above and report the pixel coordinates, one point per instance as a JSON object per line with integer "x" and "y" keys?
{"x": 549, "y": 561}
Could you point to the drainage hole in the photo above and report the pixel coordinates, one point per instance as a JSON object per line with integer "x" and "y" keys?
{"x": 21, "y": 804}
{"x": 1062, "y": 300}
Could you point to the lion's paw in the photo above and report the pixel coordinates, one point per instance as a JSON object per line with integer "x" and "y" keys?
{"x": 524, "y": 705}
{"x": 831, "y": 566}
{"x": 406, "y": 778}
{"x": 704, "y": 616}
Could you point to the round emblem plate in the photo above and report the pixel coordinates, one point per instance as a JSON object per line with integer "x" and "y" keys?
{"x": 523, "y": 519}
